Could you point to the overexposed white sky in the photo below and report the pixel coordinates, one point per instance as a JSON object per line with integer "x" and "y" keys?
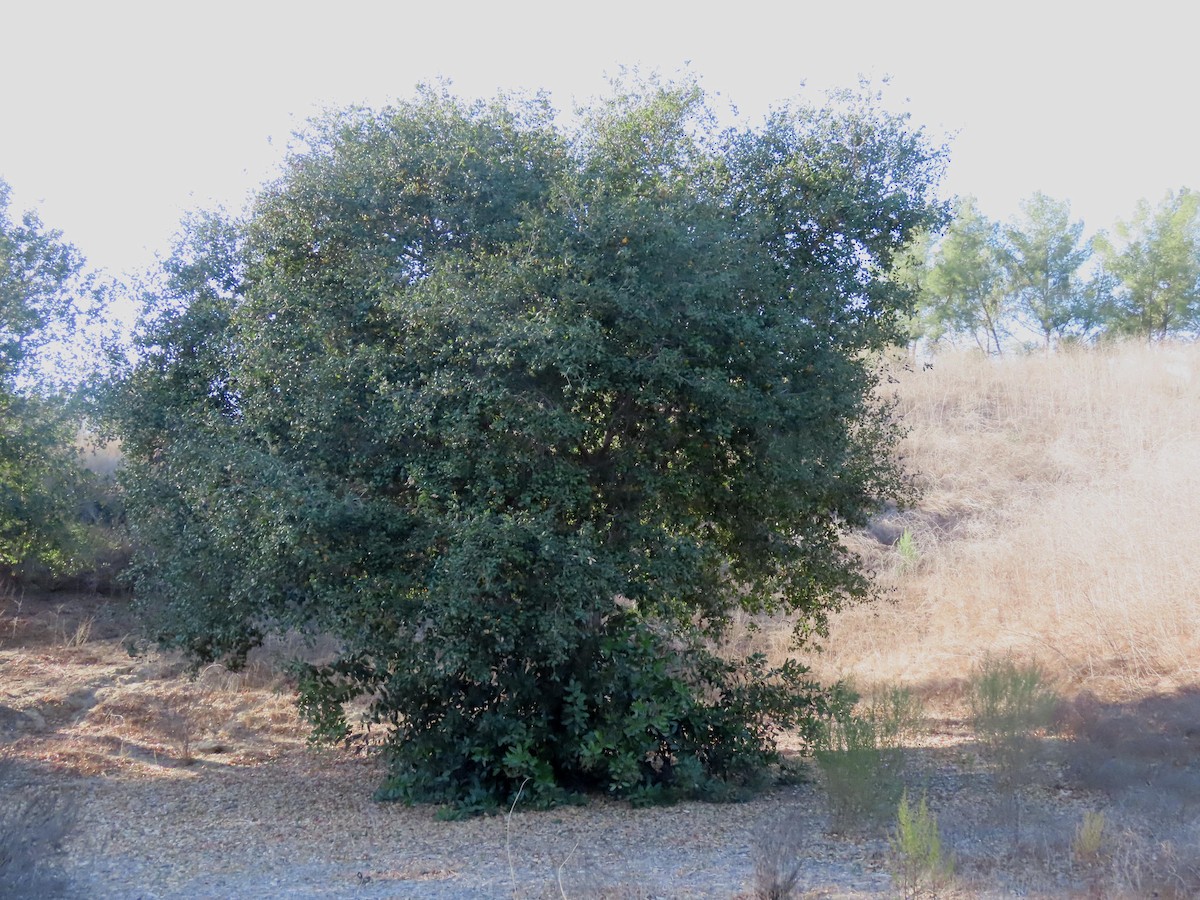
{"x": 120, "y": 116}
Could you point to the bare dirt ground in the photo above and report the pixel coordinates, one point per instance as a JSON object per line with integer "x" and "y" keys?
{"x": 176, "y": 788}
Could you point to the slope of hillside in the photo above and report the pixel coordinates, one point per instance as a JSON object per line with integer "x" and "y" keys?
{"x": 1057, "y": 523}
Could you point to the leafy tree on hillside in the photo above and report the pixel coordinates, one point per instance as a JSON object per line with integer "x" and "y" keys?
{"x": 964, "y": 290}
{"x": 1154, "y": 260}
{"x": 42, "y": 280}
{"x": 522, "y": 417}
{"x": 1042, "y": 253}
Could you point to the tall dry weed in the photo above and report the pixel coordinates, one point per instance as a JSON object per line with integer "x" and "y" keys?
{"x": 1058, "y": 521}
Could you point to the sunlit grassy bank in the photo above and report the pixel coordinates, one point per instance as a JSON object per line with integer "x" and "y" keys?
{"x": 1058, "y": 522}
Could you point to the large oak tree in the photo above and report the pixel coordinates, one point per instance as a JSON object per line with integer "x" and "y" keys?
{"x": 521, "y": 415}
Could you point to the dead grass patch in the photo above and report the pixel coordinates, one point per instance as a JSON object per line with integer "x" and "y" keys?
{"x": 1057, "y": 523}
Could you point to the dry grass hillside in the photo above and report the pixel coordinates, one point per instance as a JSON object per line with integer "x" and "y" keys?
{"x": 1058, "y": 523}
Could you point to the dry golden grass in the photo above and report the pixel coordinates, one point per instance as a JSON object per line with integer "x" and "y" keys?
{"x": 90, "y": 708}
{"x": 1058, "y": 522}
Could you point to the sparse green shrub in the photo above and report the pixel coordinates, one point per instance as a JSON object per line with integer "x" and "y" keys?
{"x": 861, "y": 757}
{"x": 1089, "y": 837}
{"x": 908, "y": 551}
{"x": 1009, "y": 704}
{"x": 898, "y": 714}
{"x": 917, "y": 858}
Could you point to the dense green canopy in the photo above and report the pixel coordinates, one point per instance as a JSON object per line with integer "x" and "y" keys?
{"x": 521, "y": 415}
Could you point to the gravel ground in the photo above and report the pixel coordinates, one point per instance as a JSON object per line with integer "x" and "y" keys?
{"x": 305, "y": 827}
{"x": 302, "y": 824}
{"x": 206, "y": 790}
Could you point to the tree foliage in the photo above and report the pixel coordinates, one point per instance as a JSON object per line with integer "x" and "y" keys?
{"x": 42, "y": 279}
{"x": 964, "y": 288}
{"x": 1042, "y": 254}
{"x": 1154, "y": 263}
{"x": 981, "y": 278}
{"x": 521, "y": 416}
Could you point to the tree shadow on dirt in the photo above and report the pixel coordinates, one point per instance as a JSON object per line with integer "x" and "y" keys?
{"x": 1129, "y": 771}
{"x": 34, "y": 822}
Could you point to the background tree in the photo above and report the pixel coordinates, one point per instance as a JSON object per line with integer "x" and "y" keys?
{"x": 909, "y": 271}
{"x": 1155, "y": 261}
{"x": 964, "y": 289}
{"x": 521, "y": 417}
{"x": 1042, "y": 253}
{"x": 42, "y": 284}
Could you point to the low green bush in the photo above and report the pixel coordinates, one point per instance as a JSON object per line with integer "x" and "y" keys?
{"x": 917, "y": 858}
{"x": 861, "y": 756}
{"x": 1010, "y": 703}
